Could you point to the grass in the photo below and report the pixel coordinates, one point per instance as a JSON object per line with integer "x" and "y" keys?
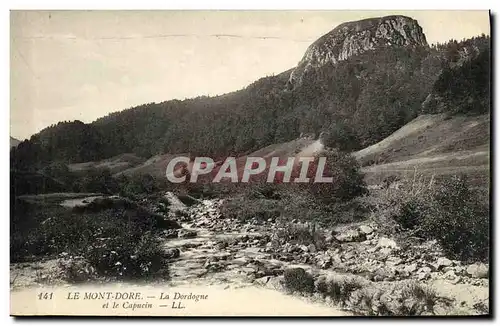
{"x": 338, "y": 289}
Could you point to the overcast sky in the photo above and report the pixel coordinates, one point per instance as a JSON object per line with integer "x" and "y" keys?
{"x": 83, "y": 64}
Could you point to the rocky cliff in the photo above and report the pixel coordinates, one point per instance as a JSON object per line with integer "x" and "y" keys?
{"x": 352, "y": 38}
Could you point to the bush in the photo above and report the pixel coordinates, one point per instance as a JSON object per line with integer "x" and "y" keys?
{"x": 452, "y": 213}
{"x": 118, "y": 257}
{"x": 76, "y": 269}
{"x": 298, "y": 280}
{"x": 263, "y": 191}
{"x": 339, "y": 289}
{"x": 348, "y": 182}
{"x": 116, "y": 237}
{"x": 245, "y": 209}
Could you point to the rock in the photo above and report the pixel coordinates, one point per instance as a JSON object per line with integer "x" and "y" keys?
{"x": 458, "y": 269}
{"x": 349, "y": 255}
{"x": 171, "y": 233}
{"x": 241, "y": 261}
{"x": 357, "y": 37}
{"x": 385, "y": 252}
{"x": 324, "y": 262}
{"x": 221, "y": 245}
{"x": 365, "y": 229}
{"x": 478, "y": 270}
{"x": 393, "y": 261}
{"x": 312, "y": 248}
{"x": 384, "y": 274}
{"x": 410, "y": 268}
{"x": 262, "y": 281}
{"x": 449, "y": 275}
{"x": 304, "y": 248}
{"x": 424, "y": 273}
{"x": 213, "y": 266}
{"x": 371, "y": 236}
{"x": 387, "y": 243}
{"x": 172, "y": 253}
{"x": 350, "y": 236}
{"x": 443, "y": 262}
{"x": 276, "y": 283}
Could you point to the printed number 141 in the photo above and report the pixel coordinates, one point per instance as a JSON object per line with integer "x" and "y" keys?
{"x": 45, "y": 296}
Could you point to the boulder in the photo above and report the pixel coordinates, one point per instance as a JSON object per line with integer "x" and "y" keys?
{"x": 183, "y": 233}
{"x": 386, "y": 243}
{"x": 262, "y": 281}
{"x": 424, "y": 273}
{"x": 478, "y": 270}
{"x": 365, "y": 229}
{"x": 410, "y": 268}
{"x": 449, "y": 275}
{"x": 172, "y": 253}
{"x": 170, "y": 233}
{"x": 443, "y": 262}
{"x": 350, "y": 236}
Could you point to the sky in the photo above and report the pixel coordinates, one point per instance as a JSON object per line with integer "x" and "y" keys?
{"x": 82, "y": 65}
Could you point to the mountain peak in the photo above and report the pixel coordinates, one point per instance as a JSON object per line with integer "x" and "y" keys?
{"x": 352, "y": 38}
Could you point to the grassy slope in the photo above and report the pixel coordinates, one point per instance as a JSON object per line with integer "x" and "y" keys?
{"x": 116, "y": 164}
{"x": 432, "y": 144}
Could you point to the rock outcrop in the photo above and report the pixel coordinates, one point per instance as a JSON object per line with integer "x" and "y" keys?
{"x": 352, "y": 38}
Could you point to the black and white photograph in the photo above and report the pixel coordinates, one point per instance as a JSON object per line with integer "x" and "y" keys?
{"x": 251, "y": 163}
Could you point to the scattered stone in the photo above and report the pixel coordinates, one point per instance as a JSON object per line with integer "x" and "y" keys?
{"x": 424, "y": 273}
{"x": 478, "y": 270}
{"x": 443, "y": 262}
{"x": 350, "y": 236}
{"x": 393, "y": 261}
{"x": 262, "y": 281}
{"x": 387, "y": 243}
{"x": 365, "y": 229}
{"x": 410, "y": 268}
{"x": 172, "y": 253}
{"x": 449, "y": 275}
{"x": 385, "y": 252}
{"x": 171, "y": 233}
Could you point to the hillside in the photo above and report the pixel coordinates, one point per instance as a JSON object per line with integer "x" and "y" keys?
{"x": 434, "y": 145}
{"x": 115, "y": 164}
{"x": 14, "y": 142}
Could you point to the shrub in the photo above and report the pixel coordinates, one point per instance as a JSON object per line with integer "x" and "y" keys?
{"x": 297, "y": 279}
{"x": 245, "y": 209}
{"x": 263, "y": 191}
{"x": 348, "y": 182}
{"x": 76, "y": 269}
{"x": 415, "y": 300}
{"x": 339, "y": 289}
{"x": 452, "y": 213}
{"x": 117, "y": 238}
{"x": 121, "y": 258}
